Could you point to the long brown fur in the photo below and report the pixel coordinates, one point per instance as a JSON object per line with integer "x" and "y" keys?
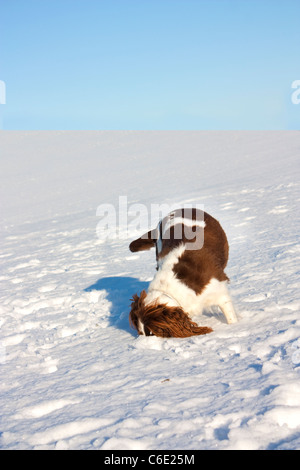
{"x": 162, "y": 320}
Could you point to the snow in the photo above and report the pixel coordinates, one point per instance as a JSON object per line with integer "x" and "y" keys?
{"x": 74, "y": 375}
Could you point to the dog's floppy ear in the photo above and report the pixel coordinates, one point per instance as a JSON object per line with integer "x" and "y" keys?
{"x": 168, "y": 322}
{"x": 145, "y": 242}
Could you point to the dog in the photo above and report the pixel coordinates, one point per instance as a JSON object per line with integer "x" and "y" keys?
{"x": 191, "y": 254}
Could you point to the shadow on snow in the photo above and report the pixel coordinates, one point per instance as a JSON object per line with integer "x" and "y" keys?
{"x": 119, "y": 292}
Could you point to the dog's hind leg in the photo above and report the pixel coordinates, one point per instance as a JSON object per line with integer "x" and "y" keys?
{"x": 227, "y": 308}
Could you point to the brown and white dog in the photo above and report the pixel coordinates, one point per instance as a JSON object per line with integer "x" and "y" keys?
{"x": 191, "y": 254}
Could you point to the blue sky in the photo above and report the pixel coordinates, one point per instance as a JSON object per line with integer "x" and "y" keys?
{"x": 149, "y": 64}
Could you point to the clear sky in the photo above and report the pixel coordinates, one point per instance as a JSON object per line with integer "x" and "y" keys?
{"x": 149, "y": 64}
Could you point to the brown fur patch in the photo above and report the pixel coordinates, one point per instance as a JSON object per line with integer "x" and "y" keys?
{"x": 179, "y": 232}
{"x": 196, "y": 268}
{"x": 163, "y": 321}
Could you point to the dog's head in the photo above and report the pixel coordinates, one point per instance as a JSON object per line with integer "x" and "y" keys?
{"x": 162, "y": 320}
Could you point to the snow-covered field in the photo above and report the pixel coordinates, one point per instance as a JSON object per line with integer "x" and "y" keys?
{"x": 73, "y": 373}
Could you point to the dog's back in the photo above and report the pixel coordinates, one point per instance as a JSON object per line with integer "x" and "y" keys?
{"x": 201, "y": 234}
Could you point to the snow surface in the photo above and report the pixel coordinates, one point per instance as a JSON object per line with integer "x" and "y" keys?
{"x": 74, "y": 375}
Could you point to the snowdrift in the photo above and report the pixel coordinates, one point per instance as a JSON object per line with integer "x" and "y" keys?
{"x": 74, "y": 375}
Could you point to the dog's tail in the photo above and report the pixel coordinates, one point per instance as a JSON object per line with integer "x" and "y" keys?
{"x": 145, "y": 242}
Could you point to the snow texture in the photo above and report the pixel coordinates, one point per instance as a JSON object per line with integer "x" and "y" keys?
{"x": 74, "y": 375}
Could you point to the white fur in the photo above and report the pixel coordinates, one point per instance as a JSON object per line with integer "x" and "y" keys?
{"x": 166, "y": 288}
{"x": 159, "y": 240}
{"x": 171, "y": 222}
{"x": 141, "y": 328}
{"x": 180, "y": 220}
